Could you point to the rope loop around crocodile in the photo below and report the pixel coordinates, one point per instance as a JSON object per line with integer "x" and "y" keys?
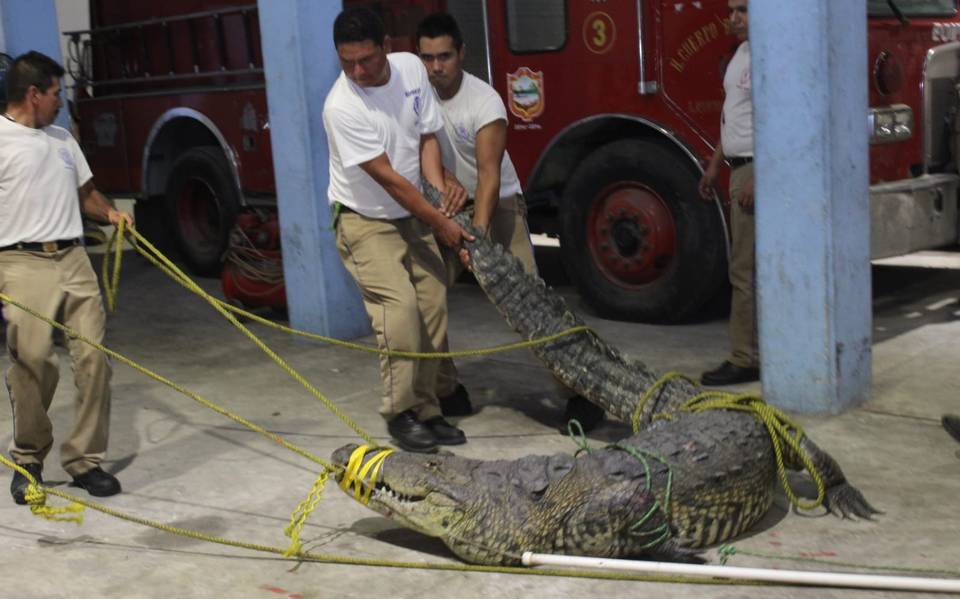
{"x": 784, "y": 433}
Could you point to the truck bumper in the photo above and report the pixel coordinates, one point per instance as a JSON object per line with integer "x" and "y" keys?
{"x": 913, "y": 214}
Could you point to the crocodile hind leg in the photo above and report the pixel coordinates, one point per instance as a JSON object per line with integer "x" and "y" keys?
{"x": 842, "y": 498}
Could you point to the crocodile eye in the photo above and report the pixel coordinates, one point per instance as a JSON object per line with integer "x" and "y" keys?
{"x": 445, "y": 523}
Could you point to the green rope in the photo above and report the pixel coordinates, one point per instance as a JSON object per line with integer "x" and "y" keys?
{"x": 783, "y": 431}
{"x": 664, "y": 529}
{"x": 576, "y": 434}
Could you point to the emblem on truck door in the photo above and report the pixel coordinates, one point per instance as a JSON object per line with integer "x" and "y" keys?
{"x": 105, "y": 126}
{"x": 525, "y": 93}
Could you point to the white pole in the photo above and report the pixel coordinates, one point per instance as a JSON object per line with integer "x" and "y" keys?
{"x": 823, "y": 579}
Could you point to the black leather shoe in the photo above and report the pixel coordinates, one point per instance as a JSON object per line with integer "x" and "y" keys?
{"x": 588, "y": 414}
{"x": 457, "y": 403}
{"x": 18, "y": 486}
{"x": 729, "y": 373}
{"x": 951, "y": 423}
{"x": 444, "y": 432}
{"x": 97, "y": 482}
{"x": 410, "y": 434}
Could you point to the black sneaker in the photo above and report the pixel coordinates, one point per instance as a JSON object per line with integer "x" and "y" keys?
{"x": 729, "y": 373}
{"x": 457, "y": 403}
{"x": 588, "y": 414}
{"x": 18, "y": 486}
{"x": 97, "y": 482}
{"x": 444, "y": 432}
{"x": 411, "y": 434}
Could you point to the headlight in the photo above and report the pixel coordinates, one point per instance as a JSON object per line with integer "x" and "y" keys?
{"x": 890, "y": 123}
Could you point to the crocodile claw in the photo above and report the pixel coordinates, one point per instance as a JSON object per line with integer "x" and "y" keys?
{"x": 670, "y": 551}
{"x": 847, "y": 501}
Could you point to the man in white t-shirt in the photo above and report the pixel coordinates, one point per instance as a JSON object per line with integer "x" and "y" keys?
{"x": 45, "y": 183}
{"x": 473, "y": 144}
{"x": 736, "y": 148}
{"x": 381, "y": 118}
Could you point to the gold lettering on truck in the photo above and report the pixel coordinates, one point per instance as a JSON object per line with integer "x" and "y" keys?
{"x": 695, "y": 42}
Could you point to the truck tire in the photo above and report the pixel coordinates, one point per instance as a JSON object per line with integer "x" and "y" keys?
{"x": 153, "y": 222}
{"x": 636, "y": 238}
{"x": 202, "y": 202}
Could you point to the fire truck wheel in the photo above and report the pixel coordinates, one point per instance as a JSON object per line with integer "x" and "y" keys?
{"x": 202, "y": 201}
{"x": 636, "y": 238}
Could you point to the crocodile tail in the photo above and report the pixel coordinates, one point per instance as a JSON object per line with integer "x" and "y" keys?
{"x": 581, "y": 361}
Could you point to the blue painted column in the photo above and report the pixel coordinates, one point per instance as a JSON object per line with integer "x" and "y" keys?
{"x": 301, "y": 65}
{"x": 812, "y": 185}
{"x": 32, "y": 25}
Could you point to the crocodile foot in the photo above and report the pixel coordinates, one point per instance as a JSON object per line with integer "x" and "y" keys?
{"x": 848, "y": 502}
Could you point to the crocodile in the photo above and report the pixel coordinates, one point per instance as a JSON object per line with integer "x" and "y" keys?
{"x": 677, "y": 485}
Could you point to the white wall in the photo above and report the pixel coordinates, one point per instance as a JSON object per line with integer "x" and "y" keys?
{"x": 73, "y": 15}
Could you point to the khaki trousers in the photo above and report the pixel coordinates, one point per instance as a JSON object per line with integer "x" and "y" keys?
{"x": 400, "y": 273}
{"x": 508, "y": 227}
{"x": 44, "y": 281}
{"x": 743, "y": 303}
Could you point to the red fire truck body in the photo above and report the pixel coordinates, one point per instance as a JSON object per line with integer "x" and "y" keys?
{"x": 613, "y": 108}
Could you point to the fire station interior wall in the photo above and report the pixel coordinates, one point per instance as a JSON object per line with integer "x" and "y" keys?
{"x": 32, "y": 25}
{"x": 73, "y": 15}
{"x": 301, "y": 65}
{"x": 812, "y": 202}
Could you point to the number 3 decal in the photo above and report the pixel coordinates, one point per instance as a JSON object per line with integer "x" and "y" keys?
{"x": 599, "y": 32}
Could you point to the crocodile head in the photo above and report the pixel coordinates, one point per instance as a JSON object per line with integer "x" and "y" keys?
{"x": 489, "y": 512}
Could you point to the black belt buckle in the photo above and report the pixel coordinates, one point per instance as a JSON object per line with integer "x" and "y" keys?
{"x": 738, "y": 161}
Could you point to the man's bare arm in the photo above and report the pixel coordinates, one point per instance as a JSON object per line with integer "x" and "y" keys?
{"x": 431, "y": 164}
{"x": 491, "y": 144}
{"x": 94, "y": 205}
{"x": 400, "y": 189}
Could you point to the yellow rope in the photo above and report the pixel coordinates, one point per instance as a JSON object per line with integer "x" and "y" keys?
{"x": 112, "y": 283}
{"x": 663, "y": 380}
{"x": 197, "y": 398}
{"x": 363, "y": 478}
{"x": 301, "y": 513}
{"x": 782, "y": 430}
{"x": 36, "y": 497}
{"x": 301, "y": 555}
{"x": 179, "y": 275}
{"x": 160, "y": 262}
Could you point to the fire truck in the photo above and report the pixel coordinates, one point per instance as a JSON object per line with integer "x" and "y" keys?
{"x": 613, "y": 106}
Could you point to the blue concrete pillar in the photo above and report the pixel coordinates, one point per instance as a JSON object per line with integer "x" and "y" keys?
{"x": 301, "y": 65}
{"x": 812, "y": 185}
{"x": 32, "y": 25}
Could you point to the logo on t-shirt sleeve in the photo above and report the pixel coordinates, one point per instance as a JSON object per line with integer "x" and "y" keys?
{"x": 67, "y": 159}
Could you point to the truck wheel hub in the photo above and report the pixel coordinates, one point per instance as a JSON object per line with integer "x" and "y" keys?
{"x": 631, "y": 234}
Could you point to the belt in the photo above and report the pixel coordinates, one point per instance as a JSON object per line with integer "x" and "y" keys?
{"x": 736, "y": 161}
{"x": 43, "y": 246}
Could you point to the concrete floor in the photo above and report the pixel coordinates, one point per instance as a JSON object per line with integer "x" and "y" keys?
{"x": 187, "y": 466}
